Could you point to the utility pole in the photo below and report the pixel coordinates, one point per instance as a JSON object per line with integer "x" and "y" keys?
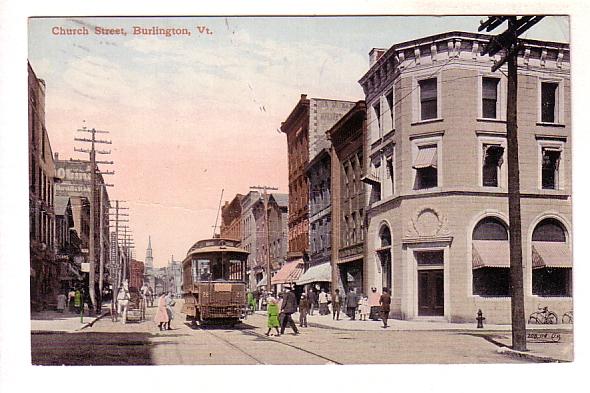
{"x": 217, "y": 216}
{"x": 508, "y": 42}
{"x": 93, "y": 172}
{"x": 265, "y": 196}
{"x": 115, "y": 265}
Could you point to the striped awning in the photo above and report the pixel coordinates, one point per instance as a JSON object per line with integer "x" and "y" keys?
{"x": 551, "y": 254}
{"x": 427, "y": 157}
{"x": 318, "y": 273}
{"x": 490, "y": 253}
{"x": 289, "y": 273}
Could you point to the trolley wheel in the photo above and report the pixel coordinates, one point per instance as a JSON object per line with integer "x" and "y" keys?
{"x": 567, "y": 318}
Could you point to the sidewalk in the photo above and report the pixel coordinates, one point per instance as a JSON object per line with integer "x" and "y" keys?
{"x": 540, "y": 345}
{"x": 53, "y": 321}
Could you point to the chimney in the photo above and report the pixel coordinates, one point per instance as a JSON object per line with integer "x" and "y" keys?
{"x": 375, "y": 54}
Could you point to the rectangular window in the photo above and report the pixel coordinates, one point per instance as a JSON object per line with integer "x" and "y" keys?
{"x": 549, "y": 102}
{"x": 376, "y": 126}
{"x": 489, "y": 97}
{"x": 550, "y": 168}
{"x": 493, "y": 157}
{"x": 428, "y": 96}
{"x": 425, "y": 164}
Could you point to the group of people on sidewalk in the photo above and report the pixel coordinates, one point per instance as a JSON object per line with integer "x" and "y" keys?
{"x": 279, "y": 311}
{"x": 165, "y": 312}
{"x": 73, "y": 301}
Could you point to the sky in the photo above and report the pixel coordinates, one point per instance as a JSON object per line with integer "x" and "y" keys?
{"x": 192, "y": 115}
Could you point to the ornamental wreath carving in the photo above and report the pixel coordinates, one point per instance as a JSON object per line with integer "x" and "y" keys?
{"x": 427, "y": 222}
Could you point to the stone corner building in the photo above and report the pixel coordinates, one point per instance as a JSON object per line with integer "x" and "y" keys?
{"x": 435, "y": 169}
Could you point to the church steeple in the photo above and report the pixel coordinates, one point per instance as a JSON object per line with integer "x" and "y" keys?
{"x": 149, "y": 259}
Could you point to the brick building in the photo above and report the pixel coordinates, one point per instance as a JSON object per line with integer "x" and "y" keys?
{"x": 231, "y": 219}
{"x": 136, "y": 271}
{"x": 44, "y": 270}
{"x": 348, "y": 200}
{"x": 305, "y": 128}
{"x": 435, "y": 159}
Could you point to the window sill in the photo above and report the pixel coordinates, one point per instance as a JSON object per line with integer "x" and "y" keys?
{"x": 490, "y": 120}
{"x": 543, "y": 124}
{"x": 499, "y": 297}
{"x": 427, "y": 190}
{"x": 420, "y": 122}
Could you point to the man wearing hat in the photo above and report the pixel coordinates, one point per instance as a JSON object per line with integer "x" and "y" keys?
{"x": 288, "y": 307}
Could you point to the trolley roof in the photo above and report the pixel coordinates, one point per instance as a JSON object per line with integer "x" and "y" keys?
{"x": 215, "y": 245}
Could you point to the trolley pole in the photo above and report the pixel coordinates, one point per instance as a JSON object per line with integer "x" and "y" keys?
{"x": 266, "y": 224}
{"x": 508, "y": 42}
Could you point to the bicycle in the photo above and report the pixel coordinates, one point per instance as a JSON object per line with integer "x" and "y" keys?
{"x": 544, "y": 316}
{"x": 568, "y": 317}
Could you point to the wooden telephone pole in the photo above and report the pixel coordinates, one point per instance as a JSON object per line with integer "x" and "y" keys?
{"x": 508, "y": 42}
{"x": 265, "y": 196}
{"x": 93, "y": 185}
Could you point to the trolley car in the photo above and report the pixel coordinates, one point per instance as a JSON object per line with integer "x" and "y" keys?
{"x": 214, "y": 282}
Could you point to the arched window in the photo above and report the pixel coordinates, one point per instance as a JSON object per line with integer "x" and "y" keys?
{"x": 491, "y": 258}
{"x": 384, "y": 255}
{"x": 551, "y": 260}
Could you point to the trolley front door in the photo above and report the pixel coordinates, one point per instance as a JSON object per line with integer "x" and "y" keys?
{"x": 431, "y": 292}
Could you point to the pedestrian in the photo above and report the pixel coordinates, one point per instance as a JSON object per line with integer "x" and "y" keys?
{"x": 250, "y": 299}
{"x": 61, "y": 302}
{"x": 71, "y": 296}
{"x": 352, "y": 302}
{"x": 161, "y": 317}
{"x": 272, "y": 311}
{"x": 303, "y": 310}
{"x": 312, "y": 298}
{"x": 375, "y": 308}
{"x": 77, "y": 301}
{"x": 169, "y": 309}
{"x": 123, "y": 298}
{"x": 288, "y": 307}
{"x": 385, "y": 302}
{"x": 336, "y": 304}
{"x": 363, "y": 308}
{"x": 323, "y": 299}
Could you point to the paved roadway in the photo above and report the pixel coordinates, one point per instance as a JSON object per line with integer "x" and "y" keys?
{"x": 143, "y": 344}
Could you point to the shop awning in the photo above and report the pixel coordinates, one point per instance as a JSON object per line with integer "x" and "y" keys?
{"x": 551, "y": 254}
{"x": 289, "y": 273}
{"x": 318, "y": 273}
{"x": 490, "y": 253}
{"x": 427, "y": 157}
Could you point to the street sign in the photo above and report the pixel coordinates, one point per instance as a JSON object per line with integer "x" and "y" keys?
{"x": 85, "y": 267}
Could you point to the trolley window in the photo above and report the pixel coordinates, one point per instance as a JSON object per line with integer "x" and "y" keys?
{"x": 202, "y": 270}
{"x": 235, "y": 271}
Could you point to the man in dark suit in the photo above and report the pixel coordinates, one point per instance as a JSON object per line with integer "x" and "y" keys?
{"x": 385, "y": 302}
{"x": 288, "y": 307}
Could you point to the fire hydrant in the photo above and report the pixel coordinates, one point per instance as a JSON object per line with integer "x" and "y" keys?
{"x": 480, "y": 318}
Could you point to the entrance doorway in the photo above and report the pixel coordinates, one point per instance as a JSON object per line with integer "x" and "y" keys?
{"x": 431, "y": 295}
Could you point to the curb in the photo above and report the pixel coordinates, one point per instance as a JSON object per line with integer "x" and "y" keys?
{"x": 89, "y": 324}
{"x": 529, "y": 356}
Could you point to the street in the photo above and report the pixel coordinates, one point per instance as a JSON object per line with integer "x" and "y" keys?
{"x": 143, "y": 344}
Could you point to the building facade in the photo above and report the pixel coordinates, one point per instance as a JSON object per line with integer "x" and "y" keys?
{"x": 435, "y": 159}
{"x": 305, "y": 128}
{"x": 231, "y": 219}
{"x": 44, "y": 270}
{"x": 67, "y": 243}
{"x": 348, "y": 200}
{"x": 250, "y": 236}
{"x": 136, "y": 272}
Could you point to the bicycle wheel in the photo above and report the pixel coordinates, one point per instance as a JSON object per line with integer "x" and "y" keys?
{"x": 535, "y": 317}
{"x": 551, "y": 318}
{"x": 566, "y": 318}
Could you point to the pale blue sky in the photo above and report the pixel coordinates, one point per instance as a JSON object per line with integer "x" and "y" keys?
{"x": 191, "y": 115}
